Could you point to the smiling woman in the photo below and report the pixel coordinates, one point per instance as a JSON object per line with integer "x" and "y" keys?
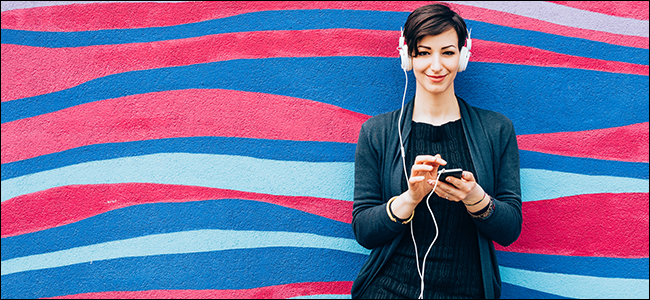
{"x": 440, "y": 129}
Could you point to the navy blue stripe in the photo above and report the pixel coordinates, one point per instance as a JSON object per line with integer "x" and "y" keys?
{"x": 157, "y": 218}
{"x": 258, "y": 148}
{"x": 230, "y": 269}
{"x": 510, "y": 291}
{"x": 578, "y": 265}
{"x": 557, "y": 43}
{"x": 579, "y": 165}
{"x": 557, "y": 94}
{"x": 320, "y": 19}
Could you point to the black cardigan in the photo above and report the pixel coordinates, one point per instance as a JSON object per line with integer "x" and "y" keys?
{"x": 379, "y": 173}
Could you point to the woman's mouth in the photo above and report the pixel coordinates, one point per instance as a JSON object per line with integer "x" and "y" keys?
{"x": 438, "y": 78}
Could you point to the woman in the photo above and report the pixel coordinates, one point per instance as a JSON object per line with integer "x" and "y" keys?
{"x": 439, "y": 130}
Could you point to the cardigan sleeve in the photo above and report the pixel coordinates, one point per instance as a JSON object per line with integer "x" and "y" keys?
{"x": 370, "y": 222}
{"x": 504, "y": 225}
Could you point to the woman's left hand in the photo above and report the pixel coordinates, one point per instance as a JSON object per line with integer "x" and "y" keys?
{"x": 455, "y": 189}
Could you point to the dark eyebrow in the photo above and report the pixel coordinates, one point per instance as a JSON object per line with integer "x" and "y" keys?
{"x": 445, "y": 47}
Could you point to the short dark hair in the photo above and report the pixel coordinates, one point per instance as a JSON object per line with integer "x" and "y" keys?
{"x": 432, "y": 19}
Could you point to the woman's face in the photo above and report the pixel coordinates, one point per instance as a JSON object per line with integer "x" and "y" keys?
{"x": 436, "y": 65}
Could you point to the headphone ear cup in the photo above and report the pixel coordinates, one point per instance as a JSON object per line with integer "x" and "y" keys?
{"x": 407, "y": 63}
{"x": 464, "y": 59}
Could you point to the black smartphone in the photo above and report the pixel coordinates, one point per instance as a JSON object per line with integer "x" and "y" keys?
{"x": 458, "y": 173}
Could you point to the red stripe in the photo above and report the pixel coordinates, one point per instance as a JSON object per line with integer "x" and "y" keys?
{"x": 600, "y": 225}
{"x": 85, "y": 17}
{"x": 625, "y": 9}
{"x": 487, "y": 51}
{"x": 268, "y": 292}
{"x": 68, "y": 204}
{"x": 87, "y": 63}
{"x": 83, "y": 64}
{"x": 179, "y": 113}
{"x": 627, "y": 143}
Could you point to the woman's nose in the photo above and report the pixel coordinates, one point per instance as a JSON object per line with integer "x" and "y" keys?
{"x": 436, "y": 65}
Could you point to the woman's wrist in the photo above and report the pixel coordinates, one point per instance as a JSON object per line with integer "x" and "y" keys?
{"x": 403, "y": 206}
{"x": 477, "y": 205}
{"x": 391, "y": 214}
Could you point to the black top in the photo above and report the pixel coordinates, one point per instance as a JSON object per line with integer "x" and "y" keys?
{"x": 453, "y": 264}
{"x": 379, "y": 173}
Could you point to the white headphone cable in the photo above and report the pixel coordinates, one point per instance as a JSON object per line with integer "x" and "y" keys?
{"x": 401, "y": 141}
{"x": 424, "y": 259}
{"x": 399, "y": 127}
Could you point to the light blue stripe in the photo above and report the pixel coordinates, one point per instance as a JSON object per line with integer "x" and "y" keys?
{"x": 566, "y": 16}
{"x": 290, "y": 178}
{"x": 176, "y": 243}
{"x": 577, "y": 286}
{"x": 539, "y": 184}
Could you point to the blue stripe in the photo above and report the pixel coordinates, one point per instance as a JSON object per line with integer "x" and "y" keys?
{"x": 258, "y": 148}
{"x": 580, "y": 165}
{"x": 542, "y": 184}
{"x": 320, "y": 19}
{"x": 236, "y": 269}
{"x": 577, "y": 286}
{"x": 289, "y": 178}
{"x": 636, "y": 268}
{"x": 558, "y": 94}
{"x": 291, "y": 151}
{"x": 158, "y": 218}
{"x": 193, "y": 241}
{"x": 511, "y": 291}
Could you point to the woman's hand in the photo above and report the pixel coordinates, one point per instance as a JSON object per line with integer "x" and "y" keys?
{"x": 425, "y": 169}
{"x": 464, "y": 189}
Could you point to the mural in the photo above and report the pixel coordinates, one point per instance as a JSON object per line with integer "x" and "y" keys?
{"x": 206, "y": 149}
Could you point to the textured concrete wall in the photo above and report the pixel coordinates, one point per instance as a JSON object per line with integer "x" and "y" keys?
{"x": 206, "y": 149}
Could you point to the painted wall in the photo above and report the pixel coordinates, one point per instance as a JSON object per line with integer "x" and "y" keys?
{"x": 206, "y": 149}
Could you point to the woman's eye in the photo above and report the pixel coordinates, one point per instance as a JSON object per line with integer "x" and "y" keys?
{"x": 423, "y": 53}
{"x": 449, "y": 53}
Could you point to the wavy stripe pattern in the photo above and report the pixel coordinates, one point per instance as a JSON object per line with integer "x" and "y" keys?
{"x": 175, "y": 243}
{"x": 285, "y": 291}
{"x": 253, "y": 45}
{"x": 295, "y": 178}
{"x": 206, "y": 149}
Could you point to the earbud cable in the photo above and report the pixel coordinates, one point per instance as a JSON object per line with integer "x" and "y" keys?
{"x": 401, "y": 141}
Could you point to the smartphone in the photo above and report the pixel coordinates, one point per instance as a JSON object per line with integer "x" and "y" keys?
{"x": 458, "y": 173}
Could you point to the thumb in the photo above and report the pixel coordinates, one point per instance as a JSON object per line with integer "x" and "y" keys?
{"x": 468, "y": 176}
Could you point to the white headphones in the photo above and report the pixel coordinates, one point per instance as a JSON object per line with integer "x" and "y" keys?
{"x": 407, "y": 61}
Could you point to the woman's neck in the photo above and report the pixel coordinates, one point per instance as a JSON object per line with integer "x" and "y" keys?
{"x": 435, "y": 109}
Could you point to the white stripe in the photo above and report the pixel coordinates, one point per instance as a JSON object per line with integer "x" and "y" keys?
{"x": 566, "y": 16}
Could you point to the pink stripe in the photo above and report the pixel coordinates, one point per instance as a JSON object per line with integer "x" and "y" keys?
{"x": 487, "y": 51}
{"x": 626, "y": 9}
{"x": 83, "y": 64}
{"x": 268, "y": 292}
{"x": 68, "y": 204}
{"x": 84, "y": 17}
{"x": 586, "y": 225}
{"x": 627, "y": 143}
{"x": 87, "y": 63}
{"x": 179, "y": 113}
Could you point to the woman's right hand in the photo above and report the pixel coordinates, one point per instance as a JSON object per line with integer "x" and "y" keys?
{"x": 424, "y": 168}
